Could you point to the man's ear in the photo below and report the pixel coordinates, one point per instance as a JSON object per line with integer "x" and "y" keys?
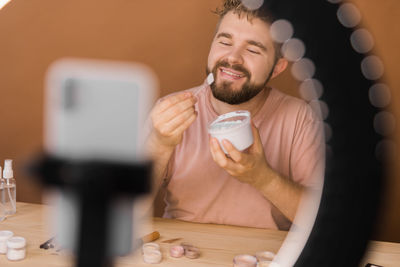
{"x": 280, "y": 66}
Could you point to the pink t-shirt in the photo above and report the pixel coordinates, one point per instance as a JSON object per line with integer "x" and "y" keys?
{"x": 198, "y": 190}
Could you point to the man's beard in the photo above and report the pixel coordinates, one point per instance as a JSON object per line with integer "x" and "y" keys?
{"x": 224, "y": 91}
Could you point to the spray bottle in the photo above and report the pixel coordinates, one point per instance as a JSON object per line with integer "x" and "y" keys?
{"x": 10, "y": 188}
{"x": 2, "y": 197}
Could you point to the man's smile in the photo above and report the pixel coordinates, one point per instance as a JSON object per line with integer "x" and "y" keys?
{"x": 230, "y": 74}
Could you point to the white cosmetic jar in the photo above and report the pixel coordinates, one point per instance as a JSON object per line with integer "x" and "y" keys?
{"x": 265, "y": 256}
{"x": 4, "y": 236}
{"x": 235, "y": 127}
{"x": 16, "y": 248}
{"x": 244, "y": 260}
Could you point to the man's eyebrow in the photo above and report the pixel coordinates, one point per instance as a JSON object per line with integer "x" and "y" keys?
{"x": 258, "y": 44}
{"x": 224, "y": 34}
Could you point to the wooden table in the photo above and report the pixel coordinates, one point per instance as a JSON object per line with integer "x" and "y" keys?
{"x": 218, "y": 243}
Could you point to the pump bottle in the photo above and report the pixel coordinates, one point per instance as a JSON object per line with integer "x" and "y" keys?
{"x": 2, "y": 197}
{"x": 10, "y": 188}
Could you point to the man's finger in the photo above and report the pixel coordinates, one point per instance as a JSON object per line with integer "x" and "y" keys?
{"x": 223, "y": 160}
{"x": 236, "y": 155}
{"x": 172, "y": 111}
{"x": 173, "y": 100}
{"x": 182, "y": 127}
{"x": 218, "y": 155}
{"x": 176, "y": 122}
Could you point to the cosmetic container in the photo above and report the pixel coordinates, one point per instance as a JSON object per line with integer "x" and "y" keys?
{"x": 16, "y": 248}
{"x": 10, "y": 189}
{"x": 235, "y": 127}
{"x": 4, "y": 236}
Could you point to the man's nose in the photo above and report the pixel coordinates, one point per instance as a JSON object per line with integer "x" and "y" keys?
{"x": 235, "y": 56}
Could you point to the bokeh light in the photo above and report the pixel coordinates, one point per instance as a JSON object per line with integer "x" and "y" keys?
{"x": 293, "y": 49}
{"x": 362, "y": 41}
{"x": 385, "y": 150}
{"x": 349, "y": 15}
{"x": 252, "y": 4}
{"x": 320, "y": 108}
{"x": 384, "y": 123}
{"x": 379, "y": 95}
{"x": 372, "y": 67}
{"x": 311, "y": 89}
{"x": 281, "y": 30}
{"x": 303, "y": 69}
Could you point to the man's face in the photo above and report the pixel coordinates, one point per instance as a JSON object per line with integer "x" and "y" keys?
{"x": 241, "y": 58}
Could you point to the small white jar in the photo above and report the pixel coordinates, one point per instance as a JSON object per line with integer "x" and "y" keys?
{"x": 16, "y": 248}
{"x": 265, "y": 256}
{"x": 235, "y": 127}
{"x": 4, "y": 236}
{"x": 244, "y": 260}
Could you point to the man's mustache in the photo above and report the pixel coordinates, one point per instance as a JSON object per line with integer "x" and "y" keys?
{"x": 236, "y": 67}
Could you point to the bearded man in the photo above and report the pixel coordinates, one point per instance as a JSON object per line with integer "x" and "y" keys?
{"x": 261, "y": 186}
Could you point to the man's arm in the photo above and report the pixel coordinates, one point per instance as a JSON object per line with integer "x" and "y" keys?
{"x": 170, "y": 118}
{"x": 283, "y": 193}
{"x": 252, "y": 168}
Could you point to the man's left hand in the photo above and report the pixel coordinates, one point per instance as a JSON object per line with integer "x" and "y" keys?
{"x": 249, "y": 167}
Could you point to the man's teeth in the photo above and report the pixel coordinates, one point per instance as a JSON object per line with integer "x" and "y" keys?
{"x": 231, "y": 73}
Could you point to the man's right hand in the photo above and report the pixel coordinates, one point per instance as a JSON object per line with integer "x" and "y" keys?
{"x": 170, "y": 118}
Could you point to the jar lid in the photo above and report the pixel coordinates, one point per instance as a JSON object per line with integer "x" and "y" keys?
{"x": 5, "y": 234}
{"x": 150, "y": 246}
{"x": 229, "y": 122}
{"x": 16, "y": 242}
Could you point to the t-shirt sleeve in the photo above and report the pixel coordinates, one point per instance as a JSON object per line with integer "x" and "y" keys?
{"x": 307, "y": 160}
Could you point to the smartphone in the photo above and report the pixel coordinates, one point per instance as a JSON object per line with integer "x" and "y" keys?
{"x": 95, "y": 110}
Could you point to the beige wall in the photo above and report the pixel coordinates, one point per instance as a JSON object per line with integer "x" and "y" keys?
{"x": 35, "y": 33}
{"x": 172, "y": 37}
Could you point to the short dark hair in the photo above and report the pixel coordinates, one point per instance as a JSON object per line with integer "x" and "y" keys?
{"x": 238, "y": 8}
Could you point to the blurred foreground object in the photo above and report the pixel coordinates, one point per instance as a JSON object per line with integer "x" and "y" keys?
{"x": 94, "y": 118}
